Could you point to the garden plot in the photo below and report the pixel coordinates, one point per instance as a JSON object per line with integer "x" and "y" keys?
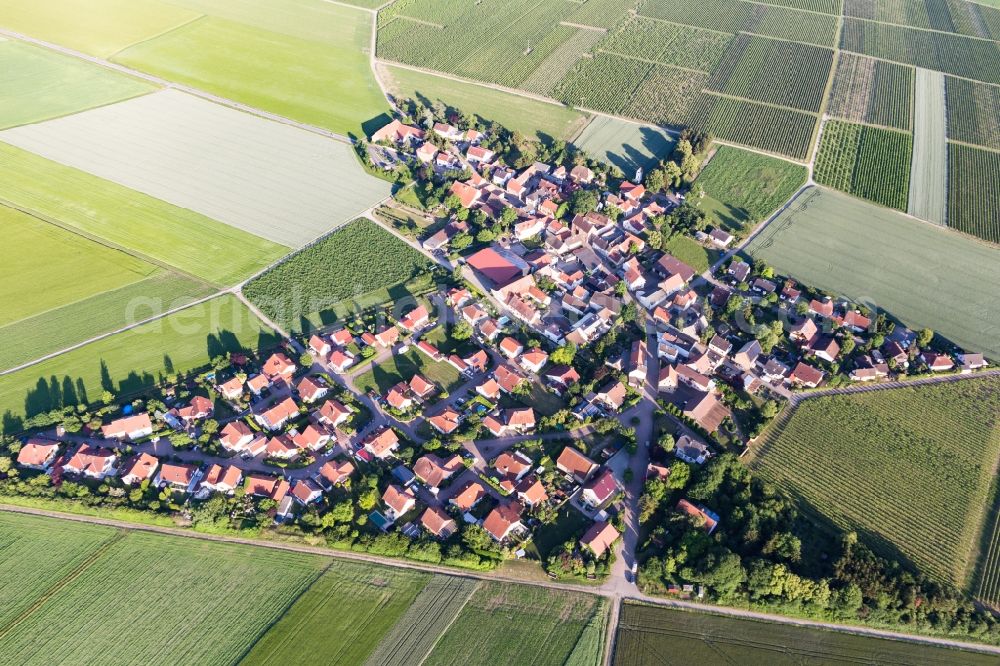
{"x": 929, "y": 173}
{"x": 278, "y": 182}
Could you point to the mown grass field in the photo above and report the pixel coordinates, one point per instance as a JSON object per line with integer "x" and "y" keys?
{"x": 176, "y": 237}
{"x": 919, "y": 273}
{"x": 37, "y": 553}
{"x": 47, "y": 266}
{"x": 942, "y": 442}
{"x": 691, "y": 252}
{"x": 929, "y": 177}
{"x": 96, "y": 27}
{"x": 134, "y": 360}
{"x": 741, "y": 186}
{"x": 38, "y": 84}
{"x": 649, "y": 635}
{"x": 518, "y": 113}
{"x": 360, "y": 262}
{"x": 163, "y": 600}
{"x": 401, "y": 367}
{"x": 343, "y": 616}
{"x": 628, "y": 146}
{"x": 521, "y": 623}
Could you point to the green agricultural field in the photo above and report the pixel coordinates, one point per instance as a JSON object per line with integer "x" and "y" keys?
{"x": 326, "y": 279}
{"x": 66, "y": 325}
{"x": 521, "y": 624}
{"x": 74, "y": 267}
{"x": 942, "y": 442}
{"x": 166, "y": 234}
{"x": 96, "y": 27}
{"x": 626, "y": 145}
{"x": 401, "y": 367}
{"x": 768, "y": 128}
{"x": 742, "y": 187}
{"x": 974, "y": 191}
{"x": 163, "y": 600}
{"x": 319, "y": 624}
{"x": 841, "y": 245}
{"x": 649, "y": 635}
{"x": 38, "y": 84}
{"x": 521, "y": 114}
{"x": 417, "y": 630}
{"x": 869, "y": 162}
{"x": 39, "y": 553}
{"x": 973, "y": 112}
{"x": 134, "y": 360}
{"x": 929, "y": 176}
{"x": 876, "y": 92}
{"x": 324, "y": 83}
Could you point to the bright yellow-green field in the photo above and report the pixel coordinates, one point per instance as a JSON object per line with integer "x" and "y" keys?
{"x": 38, "y": 84}
{"x": 325, "y": 84}
{"x": 96, "y": 27}
{"x": 45, "y": 267}
{"x": 132, "y": 361}
{"x": 216, "y": 252}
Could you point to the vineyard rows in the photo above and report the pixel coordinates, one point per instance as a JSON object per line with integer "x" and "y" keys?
{"x": 561, "y": 61}
{"x": 667, "y": 43}
{"x": 941, "y": 441}
{"x": 792, "y": 24}
{"x": 973, "y": 112}
{"x": 821, "y": 6}
{"x": 974, "y": 191}
{"x": 956, "y": 16}
{"x": 775, "y": 72}
{"x": 768, "y": 128}
{"x": 733, "y": 16}
{"x": 604, "y": 83}
{"x": 666, "y": 96}
{"x": 602, "y": 13}
{"x": 944, "y": 52}
{"x": 988, "y": 588}
{"x": 722, "y": 15}
{"x": 869, "y": 162}
{"x": 872, "y": 91}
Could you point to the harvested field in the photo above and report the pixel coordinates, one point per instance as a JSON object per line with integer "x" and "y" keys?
{"x": 974, "y": 191}
{"x": 832, "y": 452}
{"x": 180, "y": 600}
{"x": 649, "y": 635}
{"x": 112, "y": 214}
{"x": 626, "y": 145}
{"x": 973, "y": 112}
{"x": 836, "y": 243}
{"x": 872, "y": 91}
{"x": 318, "y": 624}
{"x": 133, "y": 361}
{"x": 418, "y": 629}
{"x": 275, "y": 181}
{"x": 929, "y": 176}
{"x": 520, "y": 623}
{"x": 96, "y": 27}
{"x": 37, "y": 84}
{"x": 525, "y": 115}
{"x": 37, "y": 554}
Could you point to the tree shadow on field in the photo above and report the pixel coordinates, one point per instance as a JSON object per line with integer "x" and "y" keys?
{"x": 373, "y": 125}
{"x": 11, "y": 424}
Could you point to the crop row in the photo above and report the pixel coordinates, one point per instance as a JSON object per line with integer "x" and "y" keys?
{"x": 973, "y": 112}
{"x": 774, "y": 71}
{"x": 602, "y": 13}
{"x": 974, "y": 191}
{"x": 784, "y": 23}
{"x": 869, "y": 162}
{"x": 957, "y": 16}
{"x": 733, "y": 16}
{"x": 872, "y": 91}
{"x": 988, "y": 588}
{"x": 667, "y": 43}
{"x": 821, "y": 6}
{"x": 775, "y": 130}
{"x": 940, "y": 441}
{"x": 723, "y": 15}
{"x": 561, "y": 61}
{"x": 977, "y": 59}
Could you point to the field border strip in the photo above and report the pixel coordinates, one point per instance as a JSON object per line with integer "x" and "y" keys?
{"x": 58, "y": 586}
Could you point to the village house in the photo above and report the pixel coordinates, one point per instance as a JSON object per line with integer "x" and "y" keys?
{"x": 438, "y": 523}
{"x": 223, "y": 479}
{"x": 140, "y": 468}
{"x": 415, "y": 319}
{"x": 232, "y": 389}
{"x": 937, "y": 362}
{"x": 575, "y": 465}
{"x": 332, "y": 413}
{"x": 508, "y": 421}
{"x": 37, "y": 454}
{"x": 433, "y": 470}
{"x": 805, "y": 375}
{"x": 398, "y": 501}
{"x": 399, "y": 134}
{"x": 311, "y": 389}
{"x": 468, "y": 496}
{"x": 504, "y": 521}
{"x": 445, "y": 421}
{"x": 612, "y": 395}
{"x": 311, "y": 438}
{"x": 382, "y": 443}
{"x": 600, "y": 489}
{"x": 599, "y": 538}
{"x": 278, "y": 415}
{"x": 701, "y": 516}
{"x": 691, "y": 450}
{"x": 198, "y": 409}
{"x": 177, "y": 477}
{"x": 236, "y": 436}
{"x": 268, "y": 487}
{"x": 131, "y": 428}
{"x": 337, "y": 472}
{"x": 91, "y": 462}
{"x": 278, "y": 366}
{"x": 306, "y": 491}
{"x": 531, "y": 491}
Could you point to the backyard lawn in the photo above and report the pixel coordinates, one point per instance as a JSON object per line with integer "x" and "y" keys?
{"x": 401, "y": 367}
